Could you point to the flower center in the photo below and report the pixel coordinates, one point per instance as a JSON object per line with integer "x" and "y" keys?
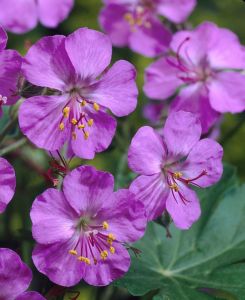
{"x": 138, "y": 17}
{"x": 95, "y": 242}
{"x": 3, "y": 100}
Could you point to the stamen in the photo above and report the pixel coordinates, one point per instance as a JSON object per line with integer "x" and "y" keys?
{"x": 73, "y": 252}
{"x": 174, "y": 187}
{"x": 96, "y": 106}
{"x": 83, "y": 103}
{"x": 90, "y": 122}
{"x": 74, "y": 135}
{"x": 84, "y": 259}
{"x": 177, "y": 175}
{"x": 81, "y": 126}
{"x": 61, "y": 126}
{"x": 105, "y": 225}
{"x": 66, "y": 112}
{"x": 86, "y": 135}
{"x": 74, "y": 121}
{"x": 112, "y": 250}
{"x": 104, "y": 254}
{"x": 110, "y": 238}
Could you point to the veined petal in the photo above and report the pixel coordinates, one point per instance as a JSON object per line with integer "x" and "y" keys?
{"x": 89, "y": 51}
{"x": 146, "y": 152}
{"x": 152, "y": 192}
{"x": 116, "y": 90}
{"x": 3, "y": 38}
{"x": 181, "y": 132}
{"x": 39, "y": 119}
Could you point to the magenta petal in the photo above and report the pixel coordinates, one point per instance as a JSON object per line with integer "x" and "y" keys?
{"x": 52, "y": 218}
{"x": 52, "y": 12}
{"x": 227, "y": 92}
{"x": 114, "y": 267}
{"x": 150, "y": 41}
{"x": 86, "y": 189}
{"x": 181, "y": 132}
{"x": 125, "y": 216}
{"x": 30, "y": 296}
{"x": 184, "y": 214}
{"x": 161, "y": 79}
{"x": 153, "y": 111}
{"x": 15, "y": 276}
{"x": 89, "y": 51}
{"x": 39, "y": 119}
{"x": 7, "y": 183}
{"x": 3, "y": 38}
{"x": 100, "y": 136}
{"x": 117, "y": 89}
{"x": 195, "y": 99}
{"x": 18, "y": 16}
{"x": 205, "y": 156}
{"x": 152, "y": 192}
{"x": 112, "y": 21}
{"x": 37, "y": 66}
{"x": 146, "y": 152}
{"x": 57, "y": 264}
{"x": 176, "y": 10}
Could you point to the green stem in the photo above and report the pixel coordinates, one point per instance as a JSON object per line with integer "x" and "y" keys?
{"x": 233, "y": 131}
{"x": 13, "y": 146}
{"x": 9, "y": 126}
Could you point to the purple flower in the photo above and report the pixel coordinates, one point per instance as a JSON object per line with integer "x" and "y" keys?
{"x": 136, "y": 23}
{"x": 76, "y": 69}
{"x": 20, "y": 16}
{"x": 83, "y": 229}
{"x": 170, "y": 164}
{"x": 7, "y": 183}
{"x": 153, "y": 112}
{"x": 15, "y": 277}
{"x": 205, "y": 69}
{"x": 10, "y": 64}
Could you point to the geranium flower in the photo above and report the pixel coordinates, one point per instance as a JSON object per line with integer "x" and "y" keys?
{"x": 15, "y": 277}
{"x": 170, "y": 164}
{"x": 83, "y": 229}
{"x": 20, "y": 16}
{"x": 7, "y": 183}
{"x": 205, "y": 64}
{"x": 136, "y": 23}
{"x": 10, "y": 64}
{"x": 76, "y": 68}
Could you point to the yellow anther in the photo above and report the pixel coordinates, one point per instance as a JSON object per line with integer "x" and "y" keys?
{"x": 174, "y": 187}
{"x": 83, "y": 103}
{"x": 86, "y": 135}
{"x": 104, "y": 254}
{"x": 96, "y": 106}
{"x": 74, "y": 135}
{"x": 177, "y": 175}
{"x": 84, "y": 259}
{"x": 110, "y": 238}
{"x": 90, "y": 122}
{"x": 73, "y": 252}
{"x": 112, "y": 250}
{"x": 61, "y": 126}
{"x": 81, "y": 126}
{"x": 74, "y": 121}
{"x": 105, "y": 225}
{"x": 129, "y": 18}
{"x": 66, "y": 111}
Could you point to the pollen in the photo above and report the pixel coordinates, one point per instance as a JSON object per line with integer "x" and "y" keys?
{"x": 174, "y": 187}
{"x": 129, "y": 18}
{"x": 81, "y": 126}
{"x": 110, "y": 238}
{"x": 66, "y": 112}
{"x": 73, "y": 252}
{"x": 83, "y": 103}
{"x": 74, "y": 135}
{"x": 90, "y": 122}
{"x": 74, "y": 121}
{"x": 61, "y": 126}
{"x": 177, "y": 175}
{"x": 112, "y": 250}
{"x": 86, "y": 135}
{"x": 96, "y": 106}
{"x": 105, "y": 225}
{"x": 84, "y": 259}
{"x": 104, "y": 254}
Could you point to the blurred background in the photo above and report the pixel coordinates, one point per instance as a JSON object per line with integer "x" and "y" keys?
{"x": 31, "y": 164}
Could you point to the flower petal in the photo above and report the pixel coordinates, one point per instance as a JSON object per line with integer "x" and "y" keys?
{"x": 116, "y": 90}
{"x": 57, "y": 264}
{"x": 86, "y": 189}
{"x": 18, "y": 16}
{"x": 146, "y": 152}
{"x": 125, "y": 216}
{"x": 227, "y": 92}
{"x": 152, "y": 192}
{"x": 30, "y": 295}
{"x": 15, "y": 275}
{"x": 7, "y": 183}
{"x": 53, "y": 219}
{"x": 184, "y": 214}
{"x": 89, "y": 51}
{"x": 37, "y": 66}
{"x": 100, "y": 135}
{"x": 181, "y": 132}
{"x": 114, "y": 267}
{"x": 3, "y": 38}
{"x": 206, "y": 155}
{"x": 161, "y": 79}
{"x": 52, "y": 12}
{"x": 151, "y": 41}
{"x": 39, "y": 119}
{"x": 112, "y": 21}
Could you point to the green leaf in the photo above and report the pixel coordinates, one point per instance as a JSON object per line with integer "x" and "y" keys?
{"x": 206, "y": 257}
